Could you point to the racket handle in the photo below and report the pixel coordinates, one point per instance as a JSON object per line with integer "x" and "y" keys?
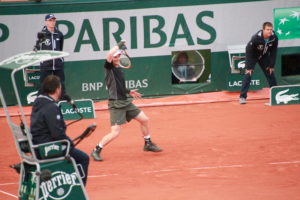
{"x": 122, "y": 45}
{"x": 90, "y": 128}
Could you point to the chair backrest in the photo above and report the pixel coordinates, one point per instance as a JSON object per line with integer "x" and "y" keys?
{"x": 51, "y": 151}
{"x": 22, "y": 141}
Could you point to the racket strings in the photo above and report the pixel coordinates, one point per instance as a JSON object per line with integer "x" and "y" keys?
{"x": 125, "y": 61}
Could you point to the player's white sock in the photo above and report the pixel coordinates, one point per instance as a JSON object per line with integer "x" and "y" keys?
{"x": 147, "y": 139}
{"x": 99, "y": 146}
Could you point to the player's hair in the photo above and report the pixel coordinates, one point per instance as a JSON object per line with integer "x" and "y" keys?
{"x": 50, "y": 84}
{"x": 267, "y": 24}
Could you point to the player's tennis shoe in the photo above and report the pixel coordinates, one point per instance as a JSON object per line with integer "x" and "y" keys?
{"x": 243, "y": 100}
{"x": 96, "y": 155}
{"x": 150, "y": 146}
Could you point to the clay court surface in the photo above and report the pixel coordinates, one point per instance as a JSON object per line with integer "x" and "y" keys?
{"x": 212, "y": 151}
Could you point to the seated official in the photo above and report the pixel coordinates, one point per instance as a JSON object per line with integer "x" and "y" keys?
{"x": 47, "y": 123}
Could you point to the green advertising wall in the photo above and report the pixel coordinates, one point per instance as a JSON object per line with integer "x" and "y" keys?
{"x": 152, "y": 75}
{"x": 154, "y": 34}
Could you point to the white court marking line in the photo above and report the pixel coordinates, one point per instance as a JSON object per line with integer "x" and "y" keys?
{"x": 202, "y": 168}
{"x": 8, "y": 194}
{"x": 195, "y": 168}
{"x": 163, "y": 170}
{"x": 284, "y": 163}
{"x": 103, "y": 175}
{"x": 221, "y": 167}
{"x": 8, "y": 184}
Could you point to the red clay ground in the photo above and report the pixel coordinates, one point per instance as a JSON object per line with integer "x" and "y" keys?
{"x": 212, "y": 151}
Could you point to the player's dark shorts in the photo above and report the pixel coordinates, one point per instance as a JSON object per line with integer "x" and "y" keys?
{"x": 122, "y": 111}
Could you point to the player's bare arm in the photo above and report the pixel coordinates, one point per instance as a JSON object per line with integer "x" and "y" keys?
{"x": 110, "y": 54}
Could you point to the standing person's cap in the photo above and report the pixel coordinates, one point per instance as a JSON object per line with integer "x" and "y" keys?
{"x": 49, "y": 16}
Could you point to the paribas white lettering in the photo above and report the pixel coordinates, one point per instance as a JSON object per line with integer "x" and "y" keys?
{"x": 130, "y": 84}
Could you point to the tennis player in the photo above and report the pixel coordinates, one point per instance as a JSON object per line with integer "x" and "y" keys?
{"x": 121, "y": 108}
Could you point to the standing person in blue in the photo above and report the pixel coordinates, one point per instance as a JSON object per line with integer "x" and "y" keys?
{"x": 261, "y": 49}
{"x": 53, "y": 41}
{"x": 47, "y": 123}
{"x": 121, "y": 108}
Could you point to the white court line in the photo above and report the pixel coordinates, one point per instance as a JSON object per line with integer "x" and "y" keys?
{"x": 163, "y": 170}
{"x": 171, "y": 170}
{"x": 1, "y": 184}
{"x": 284, "y": 163}
{"x": 221, "y": 167}
{"x": 103, "y": 175}
{"x": 199, "y": 168}
{"x": 8, "y": 194}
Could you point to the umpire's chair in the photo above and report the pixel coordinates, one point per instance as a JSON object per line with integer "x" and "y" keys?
{"x": 47, "y": 171}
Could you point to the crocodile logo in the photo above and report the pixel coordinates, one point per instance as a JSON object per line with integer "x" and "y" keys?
{"x": 282, "y": 97}
{"x": 31, "y": 97}
{"x": 241, "y": 64}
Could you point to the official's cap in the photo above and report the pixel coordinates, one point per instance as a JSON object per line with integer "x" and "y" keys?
{"x": 49, "y": 16}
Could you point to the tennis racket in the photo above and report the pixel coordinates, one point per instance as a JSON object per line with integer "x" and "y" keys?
{"x": 87, "y": 132}
{"x": 125, "y": 60}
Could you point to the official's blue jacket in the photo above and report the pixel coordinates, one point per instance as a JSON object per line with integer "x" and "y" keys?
{"x": 47, "y": 123}
{"x": 257, "y": 48}
{"x": 53, "y": 42}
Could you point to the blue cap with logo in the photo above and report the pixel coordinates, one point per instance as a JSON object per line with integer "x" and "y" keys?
{"x": 49, "y": 16}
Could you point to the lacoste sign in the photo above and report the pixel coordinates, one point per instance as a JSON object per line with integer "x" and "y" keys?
{"x": 84, "y": 107}
{"x": 285, "y": 95}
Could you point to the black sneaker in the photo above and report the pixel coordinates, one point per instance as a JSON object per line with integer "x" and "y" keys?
{"x": 96, "y": 155}
{"x": 150, "y": 146}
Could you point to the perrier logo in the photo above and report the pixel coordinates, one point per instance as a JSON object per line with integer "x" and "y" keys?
{"x": 60, "y": 186}
{"x": 287, "y": 22}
